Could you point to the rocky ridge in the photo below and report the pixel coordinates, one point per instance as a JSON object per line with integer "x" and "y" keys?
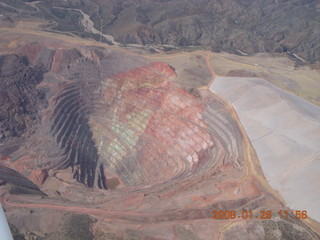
{"x": 241, "y": 27}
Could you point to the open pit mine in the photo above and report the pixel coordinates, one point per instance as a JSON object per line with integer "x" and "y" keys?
{"x": 98, "y": 142}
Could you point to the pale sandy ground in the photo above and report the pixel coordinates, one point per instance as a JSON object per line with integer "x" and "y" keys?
{"x": 285, "y": 132}
{"x": 279, "y": 70}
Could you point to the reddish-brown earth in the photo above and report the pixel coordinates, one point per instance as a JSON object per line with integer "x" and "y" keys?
{"x": 119, "y": 141}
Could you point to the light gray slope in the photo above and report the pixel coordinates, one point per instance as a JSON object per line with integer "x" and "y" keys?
{"x": 285, "y": 132}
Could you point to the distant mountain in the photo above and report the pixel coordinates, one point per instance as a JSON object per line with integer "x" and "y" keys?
{"x": 238, "y": 26}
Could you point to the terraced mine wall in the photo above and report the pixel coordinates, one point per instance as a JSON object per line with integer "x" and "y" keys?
{"x": 111, "y": 115}
{"x": 117, "y": 121}
{"x": 72, "y": 132}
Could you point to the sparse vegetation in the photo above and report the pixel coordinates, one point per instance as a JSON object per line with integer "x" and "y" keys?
{"x": 78, "y": 227}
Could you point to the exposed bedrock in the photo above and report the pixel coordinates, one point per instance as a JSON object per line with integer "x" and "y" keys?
{"x": 136, "y": 125}
{"x": 156, "y": 132}
{"x": 21, "y": 103}
{"x": 113, "y": 117}
{"x": 14, "y": 177}
{"x": 119, "y": 122}
{"x": 19, "y": 99}
{"x": 73, "y": 135}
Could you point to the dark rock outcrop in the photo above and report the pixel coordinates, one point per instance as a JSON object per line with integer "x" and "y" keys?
{"x": 19, "y": 99}
{"x": 13, "y": 177}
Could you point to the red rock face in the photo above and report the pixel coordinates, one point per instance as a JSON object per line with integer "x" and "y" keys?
{"x": 30, "y": 50}
{"x": 158, "y": 132}
{"x": 128, "y": 122}
{"x": 38, "y": 176}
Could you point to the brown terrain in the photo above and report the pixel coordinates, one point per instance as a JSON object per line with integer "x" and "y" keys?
{"x": 241, "y": 27}
{"x": 99, "y": 142}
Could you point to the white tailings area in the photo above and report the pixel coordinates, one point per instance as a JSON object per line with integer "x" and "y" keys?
{"x": 285, "y": 132}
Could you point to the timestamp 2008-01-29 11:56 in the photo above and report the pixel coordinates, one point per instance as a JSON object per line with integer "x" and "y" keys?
{"x": 263, "y": 214}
